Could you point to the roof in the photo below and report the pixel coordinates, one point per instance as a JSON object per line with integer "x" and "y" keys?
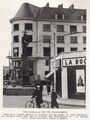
{"x": 26, "y": 11}
{"x": 29, "y": 11}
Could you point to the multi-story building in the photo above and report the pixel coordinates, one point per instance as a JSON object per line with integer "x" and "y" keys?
{"x": 50, "y": 31}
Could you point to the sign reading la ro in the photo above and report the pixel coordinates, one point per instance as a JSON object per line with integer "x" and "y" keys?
{"x": 74, "y": 61}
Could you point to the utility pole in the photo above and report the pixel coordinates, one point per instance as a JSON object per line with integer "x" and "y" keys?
{"x": 54, "y": 65}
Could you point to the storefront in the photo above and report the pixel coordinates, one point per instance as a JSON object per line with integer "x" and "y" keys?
{"x": 76, "y": 76}
{"x": 71, "y": 82}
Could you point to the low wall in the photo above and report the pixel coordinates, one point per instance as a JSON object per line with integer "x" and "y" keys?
{"x": 18, "y": 91}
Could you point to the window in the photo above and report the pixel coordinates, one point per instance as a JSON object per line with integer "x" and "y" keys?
{"x": 46, "y": 27}
{"x": 29, "y": 38}
{"x": 29, "y": 51}
{"x": 60, "y": 49}
{"x": 46, "y": 62}
{"x": 16, "y": 27}
{"x": 84, "y": 29}
{"x": 60, "y": 28}
{"x": 73, "y": 29}
{"x": 16, "y": 39}
{"x": 73, "y": 39}
{"x": 16, "y": 52}
{"x": 18, "y": 64}
{"x": 46, "y": 51}
{"x": 46, "y": 39}
{"x": 84, "y": 39}
{"x": 28, "y": 26}
{"x": 60, "y": 39}
{"x": 84, "y": 49}
{"x": 46, "y": 72}
{"x": 73, "y": 49}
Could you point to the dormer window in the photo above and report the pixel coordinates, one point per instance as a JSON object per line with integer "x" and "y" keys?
{"x": 56, "y": 16}
{"x": 63, "y": 16}
{"x": 82, "y": 18}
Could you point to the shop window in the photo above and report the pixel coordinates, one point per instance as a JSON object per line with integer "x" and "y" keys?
{"x": 16, "y": 27}
{"x": 46, "y": 62}
{"x": 46, "y": 72}
{"x": 73, "y": 39}
{"x": 28, "y": 26}
{"x": 84, "y": 39}
{"x": 16, "y": 52}
{"x": 15, "y": 38}
{"x": 29, "y": 51}
{"x": 60, "y": 39}
{"x": 73, "y": 49}
{"x": 73, "y": 29}
{"x": 46, "y": 27}
{"x": 46, "y": 39}
{"x": 60, "y": 49}
{"x": 46, "y": 51}
{"x": 84, "y": 29}
{"x": 60, "y": 28}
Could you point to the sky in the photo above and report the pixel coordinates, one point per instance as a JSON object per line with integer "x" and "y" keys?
{"x": 9, "y": 9}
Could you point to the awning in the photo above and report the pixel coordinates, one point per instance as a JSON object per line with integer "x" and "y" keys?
{"x": 49, "y": 74}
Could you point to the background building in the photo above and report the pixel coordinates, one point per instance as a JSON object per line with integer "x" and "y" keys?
{"x": 46, "y": 28}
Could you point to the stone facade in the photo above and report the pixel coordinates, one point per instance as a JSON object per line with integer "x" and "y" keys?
{"x": 38, "y": 34}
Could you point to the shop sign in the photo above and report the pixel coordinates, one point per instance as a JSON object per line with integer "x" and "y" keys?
{"x": 74, "y": 61}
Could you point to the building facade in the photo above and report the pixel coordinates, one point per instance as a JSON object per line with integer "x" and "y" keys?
{"x": 50, "y": 31}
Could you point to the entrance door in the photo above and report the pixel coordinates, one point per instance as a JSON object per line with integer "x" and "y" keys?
{"x": 71, "y": 82}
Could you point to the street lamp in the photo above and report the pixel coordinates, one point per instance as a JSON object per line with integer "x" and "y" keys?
{"x": 54, "y": 65}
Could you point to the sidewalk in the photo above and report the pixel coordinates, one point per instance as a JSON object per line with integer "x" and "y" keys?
{"x": 67, "y": 102}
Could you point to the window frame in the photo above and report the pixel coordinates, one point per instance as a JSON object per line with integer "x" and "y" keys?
{"x": 59, "y": 40}
{"x": 46, "y": 39}
{"x": 46, "y": 28}
{"x": 16, "y": 54}
{"x": 45, "y": 52}
{"x": 60, "y": 28}
{"x": 15, "y": 38}
{"x": 16, "y": 27}
{"x": 73, "y": 40}
{"x": 28, "y": 26}
{"x": 73, "y": 29}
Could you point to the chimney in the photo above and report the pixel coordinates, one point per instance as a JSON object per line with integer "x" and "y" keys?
{"x": 71, "y": 7}
{"x": 47, "y": 5}
{"x": 60, "y": 6}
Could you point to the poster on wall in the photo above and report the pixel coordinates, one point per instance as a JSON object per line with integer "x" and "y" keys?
{"x": 80, "y": 81}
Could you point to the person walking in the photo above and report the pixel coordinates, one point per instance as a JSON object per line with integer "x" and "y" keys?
{"x": 54, "y": 99}
{"x": 48, "y": 88}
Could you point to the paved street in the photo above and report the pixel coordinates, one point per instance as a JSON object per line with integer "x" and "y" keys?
{"x": 19, "y": 101}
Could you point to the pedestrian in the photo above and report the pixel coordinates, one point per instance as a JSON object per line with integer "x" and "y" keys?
{"x": 37, "y": 94}
{"x": 54, "y": 99}
{"x": 41, "y": 87}
{"x": 48, "y": 88}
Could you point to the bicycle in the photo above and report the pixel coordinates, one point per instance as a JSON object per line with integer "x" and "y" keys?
{"x": 32, "y": 104}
